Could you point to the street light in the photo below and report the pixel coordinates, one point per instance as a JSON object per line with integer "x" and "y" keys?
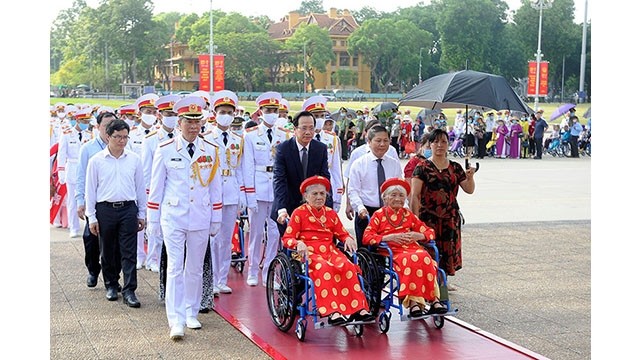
{"x": 211, "y": 48}
{"x": 420, "y": 65}
{"x": 539, "y": 5}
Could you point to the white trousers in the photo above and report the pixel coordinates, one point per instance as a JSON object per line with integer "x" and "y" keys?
{"x": 140, "y": 254}
{"x": 184, "y": 272}
{"x": 221, "y": 245}
{"x": 256, "y": 233}
{"x": 72, "y": 210}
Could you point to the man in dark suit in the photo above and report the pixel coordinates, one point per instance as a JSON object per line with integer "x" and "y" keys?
{"x": 297, "y": 159}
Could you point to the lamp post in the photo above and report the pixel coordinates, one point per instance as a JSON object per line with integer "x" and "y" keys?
{"x": 420, "y": 65}
{"x": 211, "y": 48}
{"x": 539, "y": 5}
{"x": 305, "y": 66}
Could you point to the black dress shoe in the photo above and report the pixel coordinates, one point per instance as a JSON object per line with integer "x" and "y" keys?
{"x": 131, "y": 300}
{"x": 112, "y": 294}
{"x": 361, "y": 317}
{"x": 92, "y": 280}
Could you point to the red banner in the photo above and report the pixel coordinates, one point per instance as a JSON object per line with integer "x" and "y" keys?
{"x": 543, "y": 79}
{"x": 59, "y": 191}
{"x": 219, "y": 72}
{"x": 203, "y": 65}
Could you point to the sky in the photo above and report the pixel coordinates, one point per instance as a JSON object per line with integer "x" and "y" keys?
{"x": 277, "y": 9}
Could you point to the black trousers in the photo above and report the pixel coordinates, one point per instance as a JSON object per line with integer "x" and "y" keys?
{"x": 92, "y": 251}
{"x": 538, "y": 142}
{"x": 574, "y": 146}
{"x": 361, "y": 224}
{"x": 118, "y": 244}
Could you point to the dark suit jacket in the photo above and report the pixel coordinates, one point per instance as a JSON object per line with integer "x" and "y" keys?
{"x": 288, "y": 174}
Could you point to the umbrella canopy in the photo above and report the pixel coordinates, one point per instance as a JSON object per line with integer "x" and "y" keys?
{"x": 466, "y": 88}
{"x": 385, "y": 106}
{"x": 588, "y": 114}
{"x": 336, "y": 114}
{"x": 558, "y": 112}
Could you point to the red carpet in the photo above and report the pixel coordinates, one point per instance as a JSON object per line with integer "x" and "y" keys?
{"x": 246, "y": 309}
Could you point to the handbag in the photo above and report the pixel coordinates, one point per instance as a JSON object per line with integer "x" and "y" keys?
{"x": 410, "y": 147}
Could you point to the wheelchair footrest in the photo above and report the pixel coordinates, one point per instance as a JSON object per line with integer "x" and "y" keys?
{"x": 406, "y": 317}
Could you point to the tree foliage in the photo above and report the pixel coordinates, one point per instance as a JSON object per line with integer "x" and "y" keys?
{"x": 311, "y": 6}
{"x": 315, "y": 44}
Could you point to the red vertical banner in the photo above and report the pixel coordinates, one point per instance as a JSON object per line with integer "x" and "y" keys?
{"x": 219, "y": 72}
{"x": 203, "y": 66}
{"x": 543, "y": 78}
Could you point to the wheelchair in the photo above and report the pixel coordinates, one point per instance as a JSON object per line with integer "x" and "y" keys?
{"x": 388, "y": 285}
{"x": 238, "y": 258}
{"x": 290, "y": 292}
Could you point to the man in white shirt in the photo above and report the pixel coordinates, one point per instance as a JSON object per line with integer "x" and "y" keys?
{"x": 366, "y": 176}
{"x": 115, "y": 209}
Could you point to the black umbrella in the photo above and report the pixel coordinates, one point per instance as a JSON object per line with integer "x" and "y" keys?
{"x": 467, "y": 87}
{"x": 336, "y": 114}
{"x": 385, "y": 106}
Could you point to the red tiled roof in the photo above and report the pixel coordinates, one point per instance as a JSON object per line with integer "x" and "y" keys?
{"x": 343, "y": 25}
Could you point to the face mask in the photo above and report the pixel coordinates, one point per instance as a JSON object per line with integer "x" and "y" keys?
{"x": 226, "y": 119}
{"x": 130, "y": 123}
{"x": 491, "y": 118}
{"x": 427, "y": 153}
{"x": 61, "y": 115}
{"x": 343, "y": 114}
{"x": 238, "y": 132}
{"x": 72, "y": 123}
{"x": 246, "y": 117}
{"x": 170, "y": 121}
{"x": 476, "y": 117}
{"x": 397, "y": 122}
{"x": 93, "y": 121}
{"x": 83, "y": 127}
{"x": 319, "y": 123}
{"x": 270, "y": 119}
{"x": 148, "y": 119}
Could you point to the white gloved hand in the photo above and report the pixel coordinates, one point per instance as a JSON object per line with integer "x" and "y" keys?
{"x": 214, "y": 228}
{"x": 252, "y": 204}
{"x": 154, "y": 228}
{"x": 62, "y": 176}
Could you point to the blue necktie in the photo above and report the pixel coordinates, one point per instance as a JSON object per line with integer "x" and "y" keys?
{"x": 190, "y": 149}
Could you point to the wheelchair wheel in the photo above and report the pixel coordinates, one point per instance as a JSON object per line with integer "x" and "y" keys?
{"x": 439, "y": 321}
{"x": 281, "y": 298}
{"x": 301, "y": 326}
{"x": 383, "y": 322}
{"x": 371, "y": 279}
{"x": 240, "y": 265}
{"x": 566, "y": 150}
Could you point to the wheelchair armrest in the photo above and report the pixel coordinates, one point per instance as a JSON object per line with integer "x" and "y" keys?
{"x": 432, "y": 245}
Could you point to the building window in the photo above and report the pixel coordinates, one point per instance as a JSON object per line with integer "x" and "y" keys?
{"x": 344, "y": 59}
{"x": 334, "y": 60}
{"x": 355, "y": 61}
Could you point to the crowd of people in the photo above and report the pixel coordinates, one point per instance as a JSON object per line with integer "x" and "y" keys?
{"x": 161, "y": 182}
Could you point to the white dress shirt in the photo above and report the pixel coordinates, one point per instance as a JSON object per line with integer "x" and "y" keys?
{"x": 365, "y": 149}
{"x": 114, "y": 179}
{"x": 363, "y": 179}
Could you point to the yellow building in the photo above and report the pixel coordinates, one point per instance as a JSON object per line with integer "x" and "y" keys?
{"x": 340, "y": 24}
{"x": 180, "y": 71}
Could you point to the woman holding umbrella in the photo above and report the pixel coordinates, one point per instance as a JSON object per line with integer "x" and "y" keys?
{"x": 434, "y": 187}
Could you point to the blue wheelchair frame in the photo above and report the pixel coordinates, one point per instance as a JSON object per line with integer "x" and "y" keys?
{"x": 307, "y": 304}
{"x": 391, "y": 286}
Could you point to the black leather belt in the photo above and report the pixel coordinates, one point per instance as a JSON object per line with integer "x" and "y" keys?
{"x": 117, "y": 204}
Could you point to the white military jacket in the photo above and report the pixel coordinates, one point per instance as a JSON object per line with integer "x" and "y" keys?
{"x": 258, "y": 162}
{"x": 229, "y": 160}
{"x": 185, "y": 191}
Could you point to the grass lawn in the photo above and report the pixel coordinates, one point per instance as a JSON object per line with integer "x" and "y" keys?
{"x": 333, "y": 106}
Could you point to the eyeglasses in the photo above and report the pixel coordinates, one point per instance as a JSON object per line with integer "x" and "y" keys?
{"x": 119, "y": 137}
{"x": 306, "y": 129}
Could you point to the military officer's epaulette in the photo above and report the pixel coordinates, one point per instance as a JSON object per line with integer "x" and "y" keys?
{"x": 151, "y": 133}
{"x": 68, "y": 131}
{"x": 166, "y": 142}
{"x": 253, "y": 128}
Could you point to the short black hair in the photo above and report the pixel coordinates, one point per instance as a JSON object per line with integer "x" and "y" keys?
{"x": 250, "y": 124}
{"x": 437, "y": 133}
{"x": 299, "y": 115}
{"x": 117, "y": 125}
{"x": 371, "y": 133}
{"x": 106, "y": 113}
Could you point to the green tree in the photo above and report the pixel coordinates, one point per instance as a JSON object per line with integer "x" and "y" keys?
{"x": 469, "y": 33}
{"x": 391, "y": 49}
{"x": 366, "y": 13}
{"x": 314, "y": 43}
{"x": 311, "y": 6}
